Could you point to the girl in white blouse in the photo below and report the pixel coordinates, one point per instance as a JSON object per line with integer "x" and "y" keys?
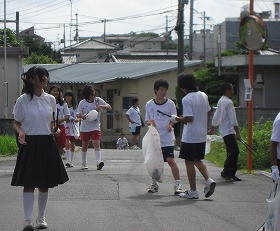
{"x": 38, "y": 162}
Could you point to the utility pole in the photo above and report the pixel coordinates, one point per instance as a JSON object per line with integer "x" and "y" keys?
{"x": 180, "y": 30}
{"x": 70, "y": 23}
{"x": 77, "y": 29}
{"x": 166, "y": 35}
{"x": 191, "y": 31}
{"x": 104, "y": 38}
{"x": 204, "y": 38}
{"x": 219, "y": 50}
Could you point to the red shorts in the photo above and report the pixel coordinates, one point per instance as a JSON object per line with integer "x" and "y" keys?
{"x": 61, "y": 139}
{"x": 87, "y": 136}
{"x": 71, "y": 139}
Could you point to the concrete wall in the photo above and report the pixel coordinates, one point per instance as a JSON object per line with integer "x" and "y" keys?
{"x": 14, "y": 71}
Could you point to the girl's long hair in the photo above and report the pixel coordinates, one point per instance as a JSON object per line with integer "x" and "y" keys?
{"x": 31, "y": 74}
{"x": 73, "y": 100}
{"x": 59, "y": 98}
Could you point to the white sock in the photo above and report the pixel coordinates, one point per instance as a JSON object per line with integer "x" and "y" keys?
{"x": 98, "y": 156}
{"x": 177, "y": 182}
{"x": 28, "y": 202}
{"x": 42, "y": 203}
{"x": 71, "y": 157}
{"x": 154, "y": 182}
{"x": 84, "y": 158}
{"x": 67, "y": 152}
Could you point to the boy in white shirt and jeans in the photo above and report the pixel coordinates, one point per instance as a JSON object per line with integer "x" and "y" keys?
{"x": 154, "y": 112}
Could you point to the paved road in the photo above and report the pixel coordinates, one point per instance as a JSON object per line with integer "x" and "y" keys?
{"x": 116, "y": 199}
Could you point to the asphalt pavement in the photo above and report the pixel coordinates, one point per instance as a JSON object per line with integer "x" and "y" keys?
{"x": 116, "y": 199}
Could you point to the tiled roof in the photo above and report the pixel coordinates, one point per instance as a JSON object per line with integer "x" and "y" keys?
{"x": 105, "y": 72}
{"x": 91, "y": 44}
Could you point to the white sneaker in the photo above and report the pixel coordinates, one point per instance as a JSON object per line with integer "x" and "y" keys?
{"x": 153, "y": 188}
{"x": 189, "y": 194}
{"x": 41, "y": 223}
{"x": 209, "y": 187}
{"x": 178, "y": 189}
{"x": 84, "y": 167}
{"x": 135, "y": 147}
{"x": 28, "y": 225}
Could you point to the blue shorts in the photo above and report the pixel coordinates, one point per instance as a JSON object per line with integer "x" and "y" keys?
{"x": 135, "y": 130}
{"x": 167, "y": 152}
{"x": 192, "y": 151}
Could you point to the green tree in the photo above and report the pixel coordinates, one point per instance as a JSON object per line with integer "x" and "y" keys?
{"x": 38, "y": 59}
{"x": 44, "y": 52}
{"x": 11, "y": 38}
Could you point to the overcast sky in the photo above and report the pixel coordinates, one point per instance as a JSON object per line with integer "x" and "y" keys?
{"x": 122, "y": 16}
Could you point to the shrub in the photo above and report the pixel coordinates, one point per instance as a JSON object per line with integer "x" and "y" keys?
{"x": 8, "y": 145}
{"x": 261, "y": 132}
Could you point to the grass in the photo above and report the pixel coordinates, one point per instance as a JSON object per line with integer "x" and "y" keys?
{"x": 261, "y": 131}
{"x": 8, "y": 145}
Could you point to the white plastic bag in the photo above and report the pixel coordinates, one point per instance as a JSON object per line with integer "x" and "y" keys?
{"x": 208, "y": 145}
{"x": 76, "y": 129}
{"x": 273, "y": 214}
{"x": 153, "y": 159}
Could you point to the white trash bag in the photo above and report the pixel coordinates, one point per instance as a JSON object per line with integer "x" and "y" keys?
{"x": 208, "y": 145}
{"x": 76, "y": 129}
{"x": 273, "y": 214}
{"x": 153, "y": 159}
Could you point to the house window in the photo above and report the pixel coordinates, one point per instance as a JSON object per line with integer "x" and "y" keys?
{"x": 127, "y": 102}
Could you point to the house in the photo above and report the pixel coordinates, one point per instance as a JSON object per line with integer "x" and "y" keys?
{"x": 30, "y": 32}
{"x": 88, "y": 51}
{"x": 266, "y": 82}
{"x": 127, "y": 43}
{"x": 118, "y": 84}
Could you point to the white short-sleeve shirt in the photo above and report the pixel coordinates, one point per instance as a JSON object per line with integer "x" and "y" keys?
{"x": 36, "y": 114}
{"x": 276, "y": 133}
{"x": 83, "y": 108}
{"x": 69, "y": 125}
{"x": 162, "y": 121}
{"x": 62, "y": 111}
{"x": 195, "y": 104}
{"x": 225, "y": 116}
{"x": 134, "y": 115}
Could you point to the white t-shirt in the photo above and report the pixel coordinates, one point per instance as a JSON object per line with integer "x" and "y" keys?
{"x": 83, "y": 108}
{"x": 195, "y": 104}
{"x": 69, "y": 125}
{"x": 134, "y": 115}
{"x": 161, "y": 121}
{"x": 276, "y": 133}
{"x": 225, "y": 116}
{"x": 122, "y": 142}
{"x": 35, "y": 115}
{"x": 62, "y": 111}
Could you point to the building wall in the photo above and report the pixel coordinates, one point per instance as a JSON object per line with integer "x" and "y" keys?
{"x": 266, "y": 94}
{"x": 14, "y": 71}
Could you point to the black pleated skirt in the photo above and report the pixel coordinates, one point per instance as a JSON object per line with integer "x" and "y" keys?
{"x": 39, "y": 164}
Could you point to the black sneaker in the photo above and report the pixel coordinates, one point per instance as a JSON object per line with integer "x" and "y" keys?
{"x": 235, "y": 178}
{"x": 100, "y": 166}
{"x": 68, "y": 165}
{"x": 227, "y": 178}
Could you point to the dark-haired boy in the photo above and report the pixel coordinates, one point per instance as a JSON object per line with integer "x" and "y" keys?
{"x": 155, "y": 110}
{"x": 225, "y": 118}
{"x": 195, "y": 112}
